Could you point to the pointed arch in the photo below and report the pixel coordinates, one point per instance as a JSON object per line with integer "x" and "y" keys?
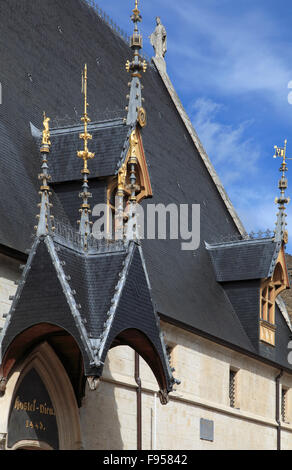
{"x": 140, "y": 343}
{"x": 57, "y": 383}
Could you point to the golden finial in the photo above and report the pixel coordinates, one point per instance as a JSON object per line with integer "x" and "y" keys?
{"x": 46, "y": 132}
{"x": 85, "y": 154}
{"x": 136, "y": 11}
{"x": 84, "y": 228}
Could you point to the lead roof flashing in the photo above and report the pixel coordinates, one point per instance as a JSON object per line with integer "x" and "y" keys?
{"x": 252, "y": 241}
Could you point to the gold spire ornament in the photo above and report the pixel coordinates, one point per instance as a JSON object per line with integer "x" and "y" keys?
{"x": 85, "y": 154}
{"x": 136, "y": 12}
{"x": 46, "y": 131}
{"x": 281, "y": 234}
{"x": 45, "y": 219}
{"x": 133, "y": 144}
{"x": 84, "y": 223}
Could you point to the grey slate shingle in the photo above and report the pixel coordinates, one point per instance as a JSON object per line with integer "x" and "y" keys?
{"x": 184, "y": 286}
{"x": 246, "y": 260}
{"x": 107, "y": 143}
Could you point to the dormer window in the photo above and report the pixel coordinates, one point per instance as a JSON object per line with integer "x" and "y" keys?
{"x": 268, "y": 304}
{"x": 270, "y": 289}
{"x": 119, "y": 191}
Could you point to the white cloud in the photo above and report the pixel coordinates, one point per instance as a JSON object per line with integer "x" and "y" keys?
{"x": 227, "y": 146}
{"x": 230, "y": 54}
{"x": 236, "y": 158}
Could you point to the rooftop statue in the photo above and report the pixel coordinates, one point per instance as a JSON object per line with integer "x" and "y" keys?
{"x": 158, "y": 40}
{"x": 46, "y": 131}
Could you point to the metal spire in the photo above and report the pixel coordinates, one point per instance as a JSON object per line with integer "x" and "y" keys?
{"x": 281, "y": 233}
{"x": 45, "y": 223}
{"x": 84, "y": 222}
{"x": 135, "y": 109}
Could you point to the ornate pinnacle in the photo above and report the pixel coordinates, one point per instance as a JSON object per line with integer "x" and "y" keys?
{"x": 84, "y": 228}
{"x": 136, "y": 66}
{"x": 281, "y": 233}
{"x": 45, "y": 220}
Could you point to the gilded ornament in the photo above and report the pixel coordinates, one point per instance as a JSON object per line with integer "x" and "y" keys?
{"x": 46, "y": 132}
{"x": 133, "y": 144}
{"x": 142, "y": 117}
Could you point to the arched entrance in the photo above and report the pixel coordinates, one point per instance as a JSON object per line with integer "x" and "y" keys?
{"x": 39, "y": 406}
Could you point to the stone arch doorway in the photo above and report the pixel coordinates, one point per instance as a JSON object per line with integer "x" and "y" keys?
{"x": 39, "y": 406}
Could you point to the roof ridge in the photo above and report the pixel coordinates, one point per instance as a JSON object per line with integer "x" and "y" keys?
{"x": 90, "y": 346}
{"x": 116, "y": 298}
{"x": 113, "y": 25}
{"x": 108, "y": 20}
{"x": 251, "y": 241}
{"x": 20, "y": 286}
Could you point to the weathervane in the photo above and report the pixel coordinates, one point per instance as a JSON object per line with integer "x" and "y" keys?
{"x": 281, "y": 152}
{"x": 281, "y": 233}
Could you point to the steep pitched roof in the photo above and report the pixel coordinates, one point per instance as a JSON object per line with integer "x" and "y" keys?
{"x": 95, "y": 297}
{"x": 41, "y": 70}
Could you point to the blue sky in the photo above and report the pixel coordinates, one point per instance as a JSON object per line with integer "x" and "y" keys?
{"x": 230, "y": 62}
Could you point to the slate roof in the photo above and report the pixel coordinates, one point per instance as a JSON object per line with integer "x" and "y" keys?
{"x": 94, "y": 297}
{"x": 243, "y": 260}
{"x": 109, "y": 143}
{"x": 41, "y": 71}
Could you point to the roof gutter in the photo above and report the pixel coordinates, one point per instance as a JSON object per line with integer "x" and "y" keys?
{"x": 12, "y": 253}
{"x": 223, "y": 342}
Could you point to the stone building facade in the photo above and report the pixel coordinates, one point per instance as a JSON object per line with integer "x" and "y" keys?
{"x": 125, "y": 344}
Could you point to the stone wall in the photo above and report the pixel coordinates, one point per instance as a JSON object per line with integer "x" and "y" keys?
{"x": 108, "y": 416}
